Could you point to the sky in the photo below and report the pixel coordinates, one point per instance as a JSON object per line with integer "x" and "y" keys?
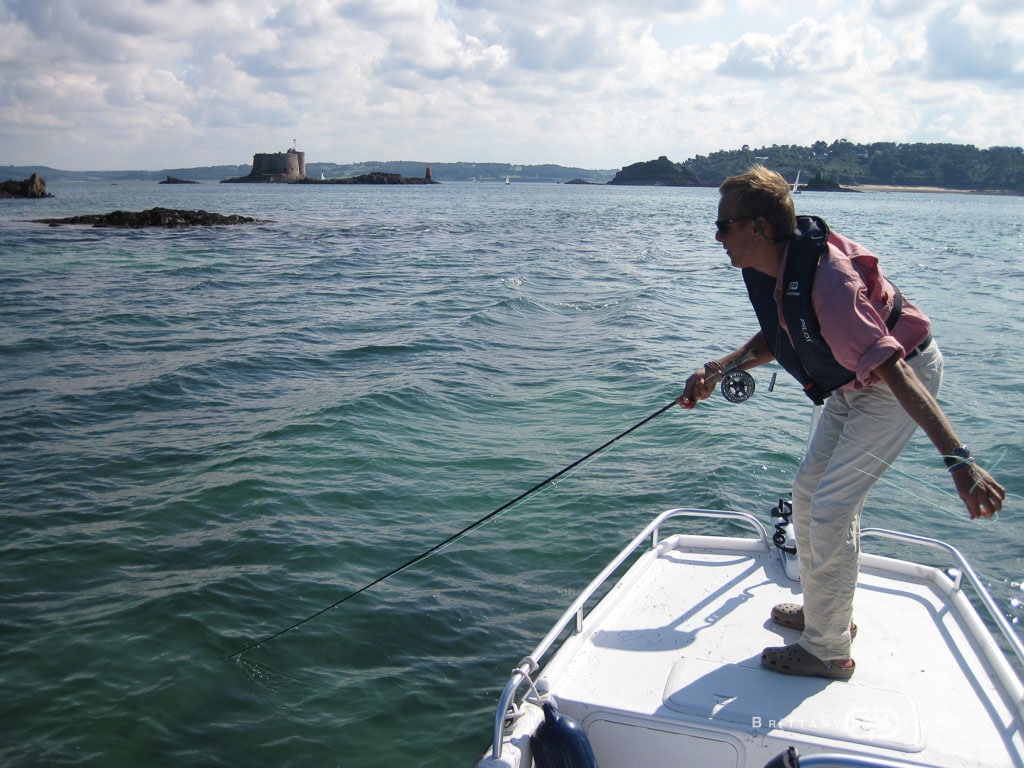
{"x": 597, "y": 84}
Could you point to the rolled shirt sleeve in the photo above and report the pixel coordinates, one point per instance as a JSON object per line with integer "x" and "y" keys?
{"x": 852, "y": 300}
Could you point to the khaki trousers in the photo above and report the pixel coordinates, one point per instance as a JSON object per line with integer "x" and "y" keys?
{"x": 859, "y": 435}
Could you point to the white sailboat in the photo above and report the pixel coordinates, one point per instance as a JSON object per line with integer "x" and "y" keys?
{"x": 508, "y": 179}
{"x": 795, "y": 190}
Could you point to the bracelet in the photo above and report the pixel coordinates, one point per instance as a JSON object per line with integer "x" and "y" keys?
{"x": 714, "y": 366}
{"x": 961, "y": 464}
{"x": 958, "y": 458}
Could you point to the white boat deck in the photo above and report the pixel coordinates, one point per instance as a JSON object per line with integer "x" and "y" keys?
{"x": 666, "y": 670}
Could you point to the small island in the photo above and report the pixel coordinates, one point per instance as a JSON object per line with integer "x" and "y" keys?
{"x": 376, "y": 177}
{"x": 32, "y": 187}
{"x": 818, "y": 184}
{"x": 153, "y": 217}
{"x": 290, "y": 168}
{"x": 656, "y": 173}
{"x": 176, "y": 180}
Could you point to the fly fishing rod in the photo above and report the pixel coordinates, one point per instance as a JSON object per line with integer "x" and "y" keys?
{"x": 455, "y": 536}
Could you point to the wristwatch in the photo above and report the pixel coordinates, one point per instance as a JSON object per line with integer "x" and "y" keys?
{"x": 958, "y": 455}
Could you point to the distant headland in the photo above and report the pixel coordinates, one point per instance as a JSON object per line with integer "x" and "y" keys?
{"x": 867, "y": 167}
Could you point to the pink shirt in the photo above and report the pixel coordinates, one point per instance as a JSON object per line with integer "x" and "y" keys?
{"x": 852, "y": 300}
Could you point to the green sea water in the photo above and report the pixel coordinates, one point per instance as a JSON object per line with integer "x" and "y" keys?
{"x": 207, "y": 435}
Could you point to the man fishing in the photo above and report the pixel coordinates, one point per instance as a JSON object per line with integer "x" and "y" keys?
{"x": 856, "y": 344}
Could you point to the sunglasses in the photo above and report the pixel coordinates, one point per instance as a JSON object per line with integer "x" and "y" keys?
{"x": 722, "y": 225}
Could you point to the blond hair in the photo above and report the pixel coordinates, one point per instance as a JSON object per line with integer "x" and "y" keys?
{"x": 761, "y": 193}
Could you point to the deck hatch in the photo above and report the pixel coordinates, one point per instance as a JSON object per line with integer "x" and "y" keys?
{"x": 764, "y": 701}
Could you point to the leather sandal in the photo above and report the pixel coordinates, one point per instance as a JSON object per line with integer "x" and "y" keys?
{"x": 791, "y": 616}
{"x": 794, "y": 660}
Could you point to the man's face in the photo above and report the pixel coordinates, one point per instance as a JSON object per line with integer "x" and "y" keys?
{"x": 734, "y": 231}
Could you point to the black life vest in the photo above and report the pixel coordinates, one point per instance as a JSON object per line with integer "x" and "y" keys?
{"x": 810, "y": 362}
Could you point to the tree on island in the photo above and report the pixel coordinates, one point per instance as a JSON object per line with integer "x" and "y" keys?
{"x": 952, "y": 166}
{"x": 656, "y": 173}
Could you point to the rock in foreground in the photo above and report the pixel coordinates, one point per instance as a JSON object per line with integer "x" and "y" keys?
{"x": 154, "y": 217}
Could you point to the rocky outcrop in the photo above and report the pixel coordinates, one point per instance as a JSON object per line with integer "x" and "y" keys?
{"x": 154, "y": 217}
{"x": 176, "y": 180}
{"x": 33, "y": 186}
{"x": 376, "y": 177}
{"x": 818, "y": 184}
{"x": 656, "y": 173}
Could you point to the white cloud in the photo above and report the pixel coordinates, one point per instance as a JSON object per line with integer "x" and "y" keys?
{"x": 807, "y": 49}
{"x": 596, "y": 83}
{"x": 966, "y": 43}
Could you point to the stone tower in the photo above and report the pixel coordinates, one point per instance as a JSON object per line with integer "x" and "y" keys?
{"x": 276, "y": 166}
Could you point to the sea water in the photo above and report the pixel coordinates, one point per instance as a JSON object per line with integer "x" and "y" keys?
{"x": 210, "y": 434}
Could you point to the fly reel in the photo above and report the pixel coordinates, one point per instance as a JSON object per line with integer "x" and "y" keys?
{"x": 737, "y": 386}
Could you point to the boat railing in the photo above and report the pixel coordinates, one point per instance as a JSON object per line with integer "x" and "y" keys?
{"x": 964, "y": 568}
{"x": 576, "y": 612}
{"x": 792, "y": 759}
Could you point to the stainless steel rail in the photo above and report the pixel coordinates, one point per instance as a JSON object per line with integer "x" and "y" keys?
{"x": 576, "y": 613}
{"x": 792, "y": 759}
{"x": 965, "y": 569}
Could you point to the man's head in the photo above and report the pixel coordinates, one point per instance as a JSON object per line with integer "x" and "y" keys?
{"x": 762, "y": 196}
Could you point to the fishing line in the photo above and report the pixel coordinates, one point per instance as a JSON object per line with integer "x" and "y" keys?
{"x": 455, "y": 536}
{"x": 887, "y": 480}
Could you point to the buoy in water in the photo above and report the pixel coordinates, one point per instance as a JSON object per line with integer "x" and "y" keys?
{"x": 560, "y": 742}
